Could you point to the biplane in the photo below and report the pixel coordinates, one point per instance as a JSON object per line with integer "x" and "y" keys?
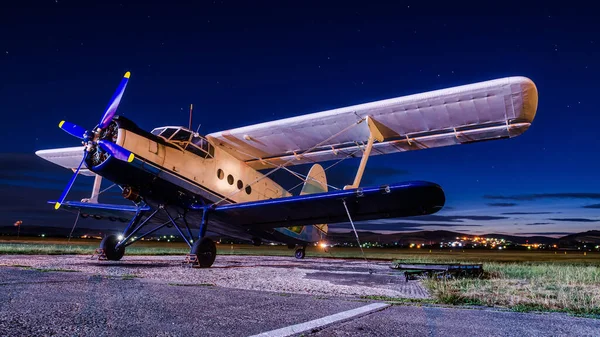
{"x": 221, "y": 182}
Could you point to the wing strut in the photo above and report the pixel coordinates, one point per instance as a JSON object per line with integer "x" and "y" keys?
{"x": 96, "y": 189}
{"x": 374, "y": 134}
{"x": 356, "y": 234}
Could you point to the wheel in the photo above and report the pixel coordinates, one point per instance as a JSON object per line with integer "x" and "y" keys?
{"x": 108, "y": 245}
{"x": 256, "y": 242}
{"x": 300, "y": 253}
{"x": 206, "y": 252}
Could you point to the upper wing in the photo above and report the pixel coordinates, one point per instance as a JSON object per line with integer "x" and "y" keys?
{"x": 396, "y": 200}
{"x": 488, "y": 110}
{"x": 67, "y": 157}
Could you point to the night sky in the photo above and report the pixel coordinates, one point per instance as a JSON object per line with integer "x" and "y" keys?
{"x": 242, "y": 63}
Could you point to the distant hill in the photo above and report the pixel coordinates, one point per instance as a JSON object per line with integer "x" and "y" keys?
{"x": 428, "y": 237}
{"x": 423, "y": 237}
{"x": 592, "y": 237}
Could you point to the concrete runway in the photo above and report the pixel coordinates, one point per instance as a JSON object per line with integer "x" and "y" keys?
{"x": 131, "y": 298}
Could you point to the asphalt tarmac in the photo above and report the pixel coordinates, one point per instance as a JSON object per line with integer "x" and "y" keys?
{"x": 120, "y": 301}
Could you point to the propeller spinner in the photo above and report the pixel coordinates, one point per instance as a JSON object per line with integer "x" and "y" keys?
{"x": 91, "y": 139}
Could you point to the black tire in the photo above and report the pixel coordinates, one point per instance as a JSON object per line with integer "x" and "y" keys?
{"x": 206, "y": 252}
{"x": 108, "y": 245}
{"x": 300, "y": 252}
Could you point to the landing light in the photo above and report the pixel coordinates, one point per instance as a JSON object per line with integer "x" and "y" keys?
{"x": 323, "y": 245}
{"x": 120, "y": 237}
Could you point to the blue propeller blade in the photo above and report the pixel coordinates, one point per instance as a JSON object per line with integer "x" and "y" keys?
{"x": 116, "y": 151}
{"x": 72, "y": 129}
{"x": 70, "y": 184}
{"x": 114, "y": 102}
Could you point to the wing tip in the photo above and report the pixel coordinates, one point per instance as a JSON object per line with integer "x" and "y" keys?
{"x": 127, "y": 74}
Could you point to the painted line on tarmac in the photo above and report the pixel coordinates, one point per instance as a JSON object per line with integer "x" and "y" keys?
{"x": 321, "y": 322}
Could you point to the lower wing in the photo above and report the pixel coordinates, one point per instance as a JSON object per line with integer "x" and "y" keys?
{"x": 368, "y": 203}
{"x": 106, "y": 211}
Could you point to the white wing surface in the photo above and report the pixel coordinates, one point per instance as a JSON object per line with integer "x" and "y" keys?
{"x": 67, "y": 157}
{"x": 495, "y": 109}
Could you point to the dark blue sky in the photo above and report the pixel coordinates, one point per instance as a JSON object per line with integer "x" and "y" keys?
{"x": 242, "y": 63}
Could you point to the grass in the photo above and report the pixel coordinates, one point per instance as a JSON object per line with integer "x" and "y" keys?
{"x": 53, "y": 246}
{"x": 399, "y": 300}
{"x": 128, "y": 276}
{"x": 545, "y": 286}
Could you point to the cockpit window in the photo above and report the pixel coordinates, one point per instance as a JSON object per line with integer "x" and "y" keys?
{"x": 182, "y": 136}
{"x": 201, "y": 147}
{"x": 157, "y": 131}
{"x": 168, "y": 133}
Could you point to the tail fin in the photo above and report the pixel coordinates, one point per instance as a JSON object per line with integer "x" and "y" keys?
{"x": 316, "y": 182}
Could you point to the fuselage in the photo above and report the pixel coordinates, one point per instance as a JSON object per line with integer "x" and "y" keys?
{"x": 177, "y": 168}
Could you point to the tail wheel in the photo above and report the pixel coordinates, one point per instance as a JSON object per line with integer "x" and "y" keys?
{"x": 300, "y": 252}
{"x": 108, "y": 245}
{"x": 206, "y": 252}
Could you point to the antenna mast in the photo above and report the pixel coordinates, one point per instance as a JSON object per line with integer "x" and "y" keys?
{"x": 190, "y": 124}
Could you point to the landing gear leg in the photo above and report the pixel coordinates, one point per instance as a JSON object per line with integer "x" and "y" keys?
{"x": 111, "y": 248}
{"x": 300, "y": 252}
{"x": 204, "y": 251}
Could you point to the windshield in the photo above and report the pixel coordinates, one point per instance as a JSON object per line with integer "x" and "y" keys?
{"x": 186, "y": 140}
{"x": 182, "y": 136}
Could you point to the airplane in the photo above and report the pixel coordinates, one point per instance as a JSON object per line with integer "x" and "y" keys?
{"x": 175, "y": 177}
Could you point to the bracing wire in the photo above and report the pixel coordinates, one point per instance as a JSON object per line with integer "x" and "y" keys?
{"x": 296, "y": 157}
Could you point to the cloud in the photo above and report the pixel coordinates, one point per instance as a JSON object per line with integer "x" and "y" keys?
{"x": 457, "y": 218}
{"x": 595, "y": 206}
{"x": 547, "y": 233}
{"x": 524, "y": 213}
{"x": 399, "y": 224}
{"x": 537, "y": 196}
{"x": 369, "y": 229}
{"x": 502, "y": 204}
{"x": 538, "y": 224}
{"x": 575, "y": 220}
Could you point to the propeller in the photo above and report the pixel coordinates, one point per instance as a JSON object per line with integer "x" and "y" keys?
{"x": 72, "y": 129}
{"x": 114, "y": 102}
{"x": 116, "y": 151}
{"x": 91, "y": 138}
